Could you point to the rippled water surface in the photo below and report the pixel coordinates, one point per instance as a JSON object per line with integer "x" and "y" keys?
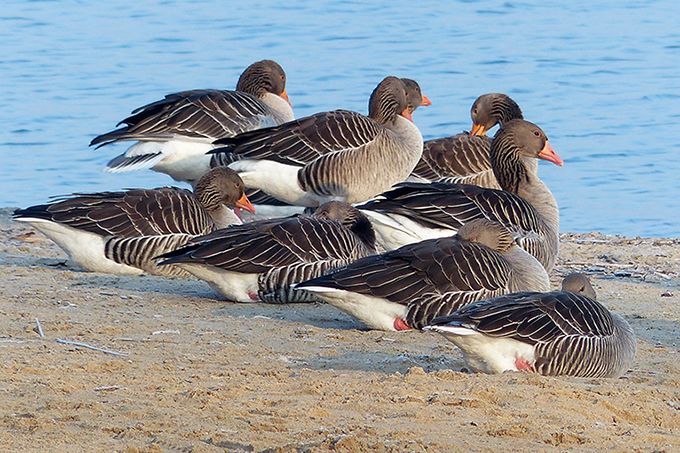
{"x": 601, "y": 78}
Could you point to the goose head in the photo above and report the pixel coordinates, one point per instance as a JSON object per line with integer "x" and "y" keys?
{"x": 491, "y": 109}
{"x": 415, "y": 96}
{"x": 263, "y": 77}
{"x": 487, "y": 232}
{"x": 388, "y": 101}
{"x": 222, "y": 186}
{"x": 350, "y": 217}
{"x": 578, "y": 283}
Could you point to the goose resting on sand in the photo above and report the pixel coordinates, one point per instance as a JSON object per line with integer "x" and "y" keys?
{"x": 554, "y": 333}
{"x": 174, "y": 133}
{"x": 338, "y": 155}
{"x": 260, "y": 260}
{"x": 408, "y": 287}
{"x": 121, "y": 232}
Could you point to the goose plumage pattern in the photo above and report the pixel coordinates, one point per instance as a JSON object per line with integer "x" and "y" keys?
{"x": 261, "y": 260}
{"x": 554, "y": 333}
{"x": 121, "y": 232}
{"x": 174, "y": 133}
{"x": 411, "y": 212}
{"x": 408, "y": 287}
{"x": 464, "y": 158}
{"x": 338, "y": 155}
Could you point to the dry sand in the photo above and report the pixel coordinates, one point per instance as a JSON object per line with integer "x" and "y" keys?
{"x": 202, "y": 374}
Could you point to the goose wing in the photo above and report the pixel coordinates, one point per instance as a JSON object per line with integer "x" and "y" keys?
{"x": 259, "y": 246}
{"x": 462, "y": 158}
{"x": 300, "y": 142}
{"x": 136, "y": 212}
{"x": 430, "y": 272}
{"x": 197, "y": 114}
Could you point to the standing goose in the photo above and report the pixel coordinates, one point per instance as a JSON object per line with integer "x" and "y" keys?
{"x": 464, "y": 158}
{"x": 174, "y": 133}
{"x": 121, "y": 232}
{"x": 338, "y": 155}
{"x": 555, "y": 333}
{"x": 409, "y": 287}
{"x": 415, "y": 211}
{"x": 259, "y": 261}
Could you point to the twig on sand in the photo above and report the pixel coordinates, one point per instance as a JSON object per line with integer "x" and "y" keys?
{"x": 40, "y": 331}
{"x": 59, "y": 340}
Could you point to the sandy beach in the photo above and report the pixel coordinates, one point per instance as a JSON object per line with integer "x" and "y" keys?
{"x": 194, "y": 373}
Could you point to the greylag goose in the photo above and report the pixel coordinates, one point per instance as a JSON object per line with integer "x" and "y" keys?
{"x": 415, "y": 99}
{"x": 174, "y": 133}
{"x": 121, "y": 232}
{"x": 411, "y": 212}
{"x": 554, "y": 333}
{"x": 578, "y": 283}
{"x": 260, "y": 260}
{"x": 338, "y": 155}
{"x": 415, "y": 96}
{"x": 464, "y": 158}
{"x": 409, "y": 287}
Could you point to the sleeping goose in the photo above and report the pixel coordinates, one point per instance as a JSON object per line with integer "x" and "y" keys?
{"x": 260, "y": 260}
{"x": 411, "y": 212}
{"x": 121, "y": 232}
{"x": 174, "y": 133}
{"x": 338, "y": 155}
{"x": 408, "y": 287}
{"x": 464, "y": 158}
{"x": 554, "y": 333}
{"x": 578, "y": 283}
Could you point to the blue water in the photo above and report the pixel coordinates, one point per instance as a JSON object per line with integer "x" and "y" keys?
{"x": 601, "y": 78}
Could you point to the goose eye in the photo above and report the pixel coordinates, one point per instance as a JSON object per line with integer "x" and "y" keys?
{"x": 537, "y": 133}
{"x": 474, "y": 111}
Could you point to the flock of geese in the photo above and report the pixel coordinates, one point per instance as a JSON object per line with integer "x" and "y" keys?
{"x": 455, "y": 235}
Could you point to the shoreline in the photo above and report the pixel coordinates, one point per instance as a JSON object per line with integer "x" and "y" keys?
{"x": 204, "y": 374}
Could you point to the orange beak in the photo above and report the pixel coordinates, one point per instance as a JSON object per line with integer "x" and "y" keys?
{"x": 549, "y": 154}
{"x": 478, "y": 129}
{"x": 244, "y": 203}
{"x": 426, "y": 101}
{"x": 284, "y": 95}
{"x": 407, "y": 114}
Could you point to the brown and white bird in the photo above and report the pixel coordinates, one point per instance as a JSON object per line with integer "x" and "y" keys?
{"x": 464, "y": 158}
{"x": 175, "y": 133}
{"x": 339, "y": 155}
{"x": 407, "y": 288}
{"x": 555, "y": 333}
{"x": 121, "y": 232}
{"x": 261, "y": 260}
{"x": 411, "y": 212}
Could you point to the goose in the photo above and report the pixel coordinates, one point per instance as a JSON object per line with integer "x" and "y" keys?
{"x": 266, "y": 202}
{"x": 415, "y": 96}
{"x": 174, "y": 134}
{"x": 259, "y": 261}
{"x": 464, "y": 158}
{"x": 121, "y": 232}
{"x": 578, "y": 283}
{"x": 339, "y": 155}
{"x": 411, "y": 212}
{"x": 552, "y": 333}
{"x": 407, "y": 288}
